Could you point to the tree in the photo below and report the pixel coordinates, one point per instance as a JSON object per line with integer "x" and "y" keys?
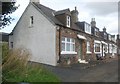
{"x": 7, "y": 9}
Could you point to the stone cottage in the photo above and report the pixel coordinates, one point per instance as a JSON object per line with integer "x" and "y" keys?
{"x": 55, "y": 37}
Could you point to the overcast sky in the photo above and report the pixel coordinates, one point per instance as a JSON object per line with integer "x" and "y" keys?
{"x": 105, "y": 12}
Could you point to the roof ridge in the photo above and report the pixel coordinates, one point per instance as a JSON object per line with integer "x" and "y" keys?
{"x": 63, "y": 9}
{"x": 43, "y": 6}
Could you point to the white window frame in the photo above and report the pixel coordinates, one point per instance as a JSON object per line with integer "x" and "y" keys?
{"x": 88, "y": 44}
{"x": 105, "y": 45}
{"x": 31, "y": 21}
{"x": 96, "y": 31}
{"x": 105, "y": 35}
{"x": 87, "y": 28}
{"x": 109, "y": 37}
{"x": 71, "y": 44}
{"x": 110, "y": 48}
{"x": 114, "y": 48}
{"x": 98, "y": 42}
{"x": 68, "y": 21}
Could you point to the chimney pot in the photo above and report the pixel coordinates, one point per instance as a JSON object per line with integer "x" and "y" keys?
{"x": 93, "y": 23}
{"x": 75, "y": 8}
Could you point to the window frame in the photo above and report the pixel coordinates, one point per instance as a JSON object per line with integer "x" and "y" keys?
{"x": 110, "y": 48}
{"x": 71, "y": 42}
{"x": 31, "y": 21}
{"x": 105, "y": 35}
{"x": 87, "y": 28}
{"x": 96, "y": 32}
{"x": 106, "y": 48}
{"x": 88, "y": 43}
{"x": 68, "y": 21}
{"x": 109, "y": 37}
{"x": 95, "y": 47}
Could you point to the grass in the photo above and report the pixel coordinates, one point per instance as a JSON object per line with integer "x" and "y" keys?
{"x": 15, "y": 68}
{"x": 32, "y": 74}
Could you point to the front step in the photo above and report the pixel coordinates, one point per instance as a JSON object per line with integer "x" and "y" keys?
{"x": 82, "y": 61}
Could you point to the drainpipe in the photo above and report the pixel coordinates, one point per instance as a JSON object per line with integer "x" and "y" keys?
{"x": 59, "y": 45}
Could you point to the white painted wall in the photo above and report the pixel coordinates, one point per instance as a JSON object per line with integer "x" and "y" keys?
{"x": 39, "y": 39}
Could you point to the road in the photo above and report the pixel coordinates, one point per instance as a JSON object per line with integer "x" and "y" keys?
{"x": 103, "y": 72}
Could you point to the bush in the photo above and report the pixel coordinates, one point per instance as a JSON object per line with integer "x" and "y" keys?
{"x": 5, "y": 50}
{"x": 15, "y": 63}
{"x": 15, "y": 68}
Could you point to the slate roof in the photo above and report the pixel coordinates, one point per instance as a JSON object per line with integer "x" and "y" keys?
{"x": 48, "y": 12}
{"x": 50, "y": 15}
{"x": 67, "y": 11}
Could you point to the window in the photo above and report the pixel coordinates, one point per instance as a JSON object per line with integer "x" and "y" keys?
{"x": 113, "y": 38}
{"x": 97, "y": 47}
{"x": 96, "y": 32}
{"x": 110, "y": 48}
{"x": 31, "y": 21}
{"x": 110, "y": 37}
{"x": 68, "y": 21}
{"x": 11, "y": 44}
{"x": 105, "y": 47}
{"x": 114, "y": 49}
{"x": 68, "y": 45}
{"x": 105, "y": 35}
{"x": 88, "y": 47}
{"x": 87, "y": 28}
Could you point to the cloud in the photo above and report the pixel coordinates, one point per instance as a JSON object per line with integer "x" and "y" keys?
{"x": 104, "y": 11}
{"x": 102, "y": 8}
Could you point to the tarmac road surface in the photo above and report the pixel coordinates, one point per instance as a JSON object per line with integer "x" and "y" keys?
{"x": 103, "y": 72}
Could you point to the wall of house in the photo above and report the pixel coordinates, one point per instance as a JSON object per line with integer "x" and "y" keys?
{"x": 39, "y": 39}
{"x": 118, "y": 45}
{"x": 65, "y": 32}
{"x": 89, "y": 56}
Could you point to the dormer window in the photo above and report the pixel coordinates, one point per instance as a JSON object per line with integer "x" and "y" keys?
{"x": 96, "y": 32}
{"x": 109, "y": 37}
{"x": 68, "y": 21}
{"x": 105, "y": 35}
{"x": 87, "y": 28}
{"x": 31, "y": 21}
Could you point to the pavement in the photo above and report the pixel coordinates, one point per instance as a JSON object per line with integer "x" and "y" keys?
{"x": 96, "y": 71}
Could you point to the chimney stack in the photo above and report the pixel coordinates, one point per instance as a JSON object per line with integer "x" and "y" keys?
{"x": 93, "y": 23}
{"x": 74, "y": 15}
{"x": 104, "y": 29}
{"x": 37, "y": 1}
{"x": 118, "y": 36}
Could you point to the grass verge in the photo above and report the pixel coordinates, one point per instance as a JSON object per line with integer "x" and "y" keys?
{"x": 32, "y": 74}
{"x": 15, "y": 68}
